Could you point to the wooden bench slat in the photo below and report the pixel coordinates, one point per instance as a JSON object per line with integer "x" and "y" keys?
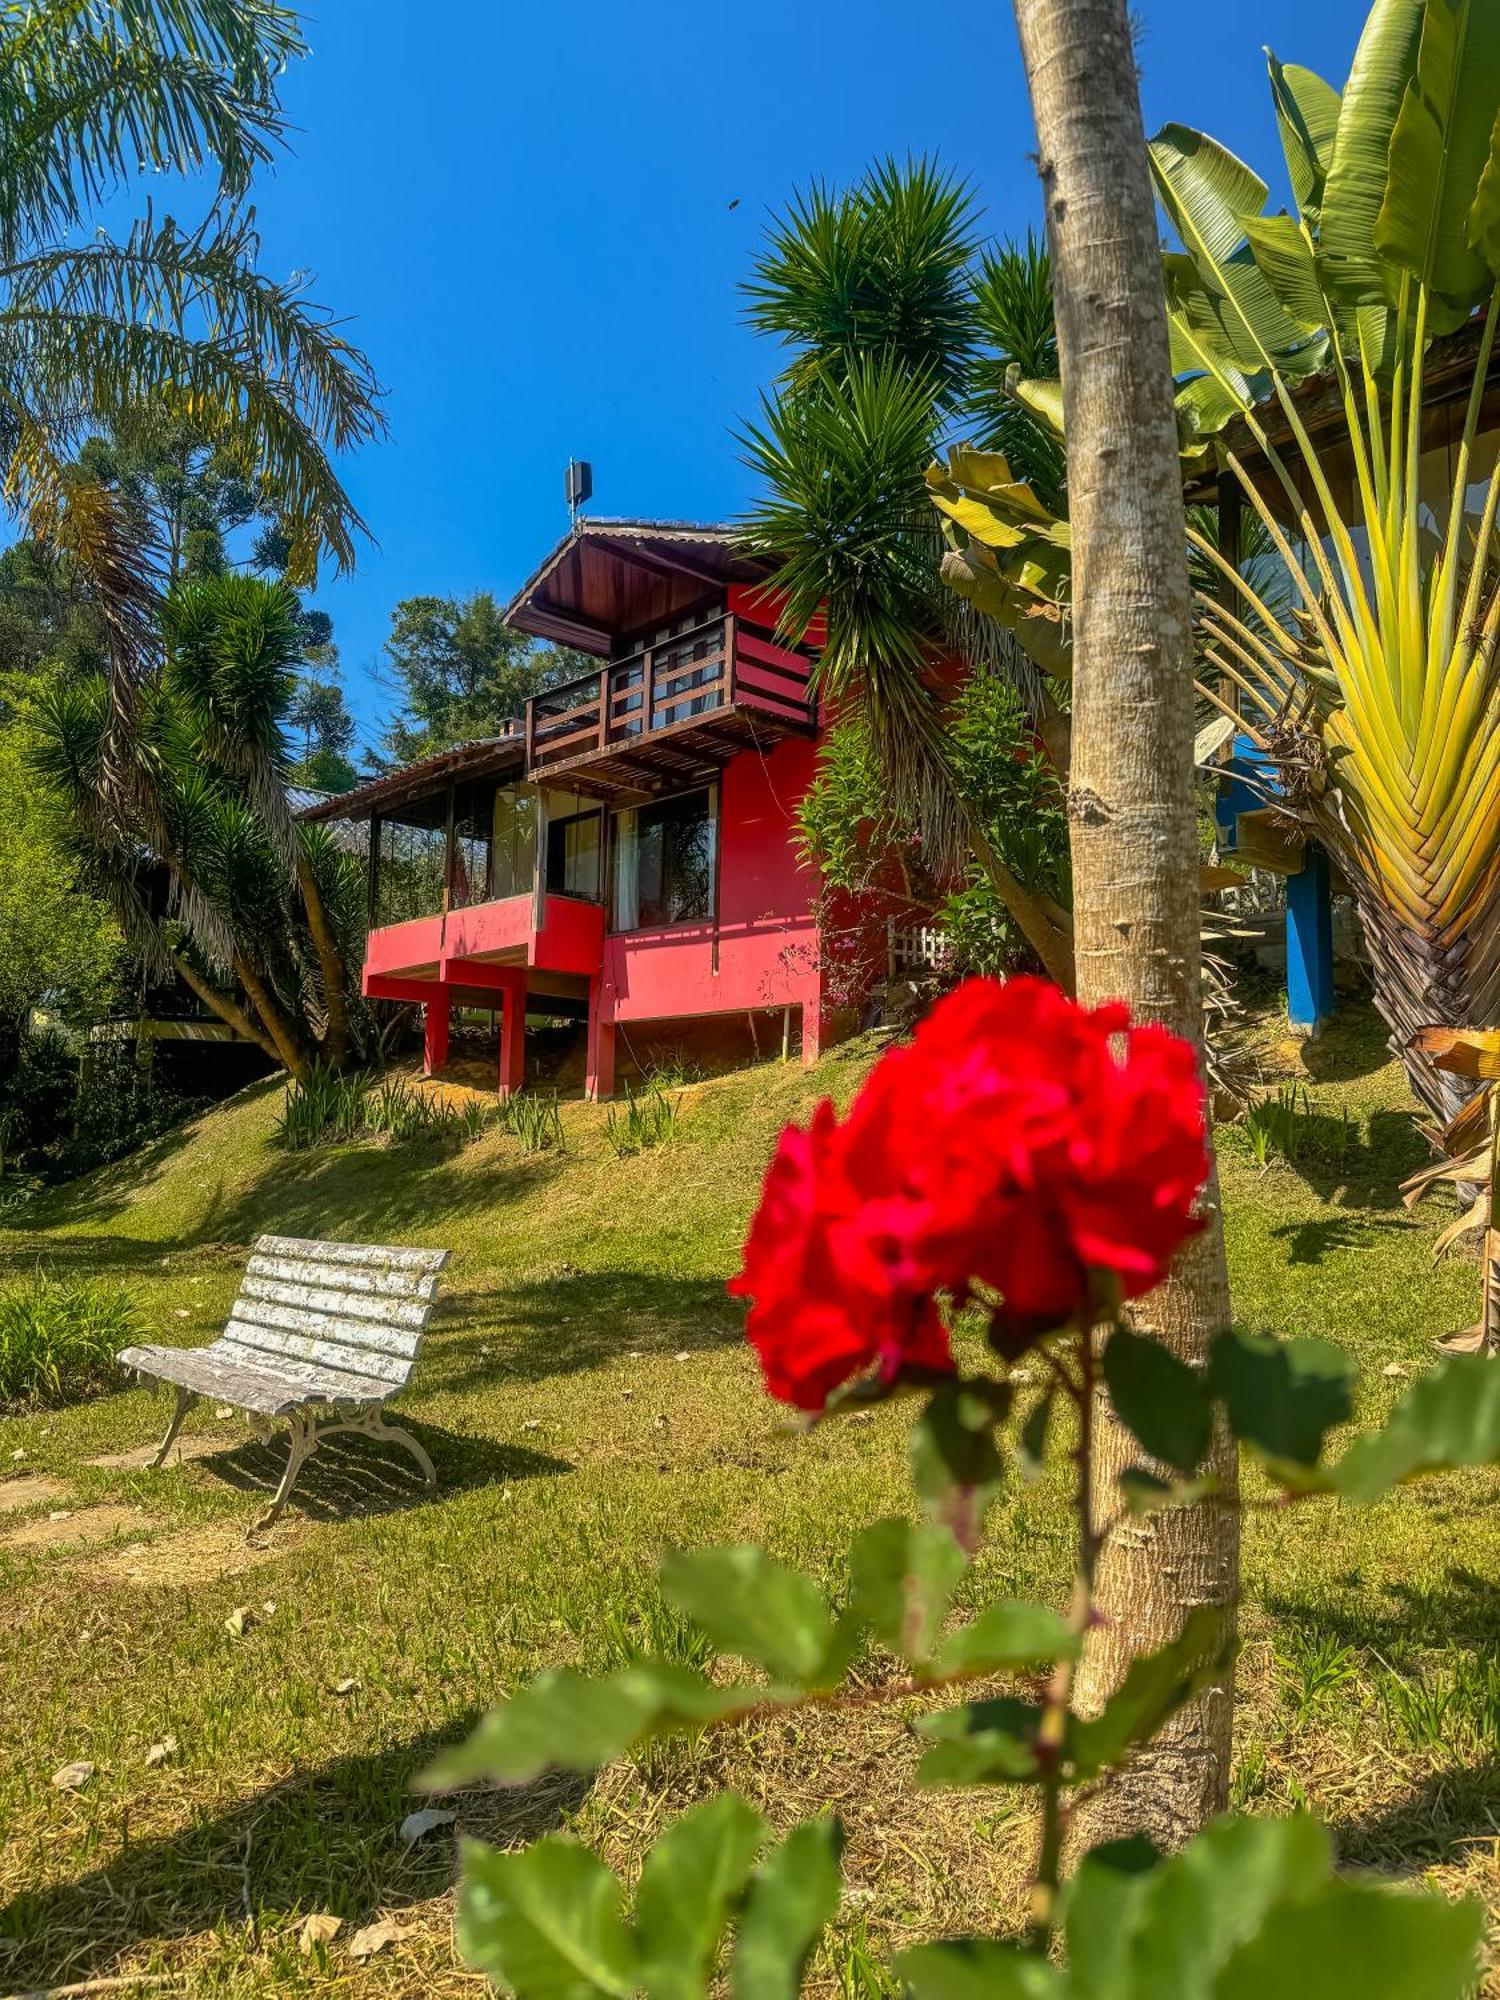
{"x": 320, "y": 1300}
{"x": 317, "y": 1378}
{"x": 272, "y": 1343}
{"x": 358, "y": 1335}
{"x": 346, "y": 1277}
{"x": 367, "y": 1255}
{"x": 198, "y": 1369}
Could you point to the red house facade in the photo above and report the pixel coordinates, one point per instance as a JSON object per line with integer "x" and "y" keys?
{"x": 628, "y": 854}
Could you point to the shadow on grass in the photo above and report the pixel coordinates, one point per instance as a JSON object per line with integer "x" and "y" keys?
{"x": 1402, "y": 1620}
{"x": 324, "y": 1839}
{"x": 1353, "y": 1044}
{"x": 350, "y": 1474}
{"x": 1435, "y": 1822}
{"x": 363, "y": 1193}
{"x": 1311, "y": 1242}
{"x": 573, "y": 1322}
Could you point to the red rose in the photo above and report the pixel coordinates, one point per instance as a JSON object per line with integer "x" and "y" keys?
{"x": 1048, "y": 1152}
{"x": 837, "y": 1279}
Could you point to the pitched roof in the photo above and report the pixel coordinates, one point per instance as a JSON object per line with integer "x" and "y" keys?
{"x": 610, "y": 578}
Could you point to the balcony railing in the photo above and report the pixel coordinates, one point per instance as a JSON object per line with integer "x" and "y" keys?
{"x": 713, "y": 666}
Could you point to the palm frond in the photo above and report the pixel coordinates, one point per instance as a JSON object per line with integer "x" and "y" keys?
{"x": 880, "y": 269}
{"x": 90, "y": 99}
{"x": 90, "y": 334}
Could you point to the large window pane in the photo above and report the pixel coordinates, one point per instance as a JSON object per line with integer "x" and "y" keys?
{"x": 409, "y": 870}
{"x": 473, "y": 817}
{"x": 513, "y": 858}
{"x": 573, "y": 855}
{"x": 665, "y": 862}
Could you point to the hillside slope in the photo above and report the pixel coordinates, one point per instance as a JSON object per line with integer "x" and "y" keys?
{"x": 587, "y": 1397}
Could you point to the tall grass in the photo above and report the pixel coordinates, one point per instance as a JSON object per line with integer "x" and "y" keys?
{"x": 58, "y": 1340}
{"x": 332, "y": 1110}
{"x": 645, "y": 1119}
{"x": 535, "y": 1121}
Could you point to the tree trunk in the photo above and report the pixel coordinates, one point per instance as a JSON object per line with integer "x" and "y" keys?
{"x": 291, "y": 1044}
{"x": 1044, "y": 924}
{"x": 223, "y": 1004}
{"x": 331, "y": 966}
{"x": 1130, "y": 807}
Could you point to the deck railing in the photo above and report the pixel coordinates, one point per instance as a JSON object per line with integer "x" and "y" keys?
{"x": 690, "y": 674}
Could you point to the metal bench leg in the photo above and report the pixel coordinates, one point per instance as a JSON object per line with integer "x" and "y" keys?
{"x": 372, "y": 1424}
{"x": 303, "y": 1442}
{"x": 184, "y": 1397}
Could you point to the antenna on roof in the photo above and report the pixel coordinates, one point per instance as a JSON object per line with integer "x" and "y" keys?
{"x": 579, "y": 486}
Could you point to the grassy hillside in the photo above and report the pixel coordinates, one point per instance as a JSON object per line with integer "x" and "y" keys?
{"x": 587, "y": 1399}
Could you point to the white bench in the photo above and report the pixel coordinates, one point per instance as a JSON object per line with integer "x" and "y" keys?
{"x": 323, "y": 1334}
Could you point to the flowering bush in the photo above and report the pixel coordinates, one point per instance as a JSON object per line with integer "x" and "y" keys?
{"x": 1023, "y": 1151}
{"x": 1042, "y": 1162}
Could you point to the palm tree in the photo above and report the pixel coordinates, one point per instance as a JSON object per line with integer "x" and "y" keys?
{"x": 1135, "y": 877}
{"x": 94, "y": 328}
{"x": 890, "y": 320}
{"x": 267, "y": 914}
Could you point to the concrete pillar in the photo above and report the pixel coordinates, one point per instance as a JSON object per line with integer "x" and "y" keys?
{"x": 434, "y": 1034}
{"x": 599, "y": 1081}
{"x": 513, "y": 1039}
{"x": 1309, "y": 944}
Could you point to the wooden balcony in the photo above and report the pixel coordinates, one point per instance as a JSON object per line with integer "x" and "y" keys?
{"x": 669, "y": 715}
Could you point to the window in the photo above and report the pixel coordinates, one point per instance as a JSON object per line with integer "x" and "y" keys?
{"x": 513, "y": 852}
{"x": 573, "y": 855}
{"x": 664, "y": 861}
{"x": 469, "y": 879}
{"x": 409, "y": 861}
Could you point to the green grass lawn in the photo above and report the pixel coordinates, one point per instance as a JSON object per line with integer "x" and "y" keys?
{"x": 587, "y": 1398}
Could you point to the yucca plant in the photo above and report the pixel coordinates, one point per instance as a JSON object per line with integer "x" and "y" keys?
{"x": 1376, "y": 695}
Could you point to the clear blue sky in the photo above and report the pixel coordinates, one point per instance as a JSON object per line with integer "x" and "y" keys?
{"x": 524, "y": 211}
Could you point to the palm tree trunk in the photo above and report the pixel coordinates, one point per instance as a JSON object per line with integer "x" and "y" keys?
{"x": 331, "y": 966}
{"x": 224, "y": 1005}
{"x": 1130, "y": 804}
{"x": 1045, "y": 925}
{"x": 291, "y": 1044}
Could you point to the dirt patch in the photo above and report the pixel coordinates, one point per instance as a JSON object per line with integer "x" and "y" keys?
{"x": 184, "y": 1450}
{"x": 198, "y": 1555}
{"x": 75, "y": 1528}
{"x": 31, "y": 1490}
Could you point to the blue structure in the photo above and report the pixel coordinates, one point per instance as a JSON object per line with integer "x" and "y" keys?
{"x": 1246, "y": 782}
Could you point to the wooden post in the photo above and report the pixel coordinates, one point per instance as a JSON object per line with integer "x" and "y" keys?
{"x": 372, "y": 887}
{"x": 786, "y": 1034}
{"x": 599, "y": 1082}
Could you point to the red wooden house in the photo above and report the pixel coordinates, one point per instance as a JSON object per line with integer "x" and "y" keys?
{"x": 627, "y": 854}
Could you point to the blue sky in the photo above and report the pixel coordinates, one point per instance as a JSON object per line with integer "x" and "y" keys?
{"x": 525, "y": 213}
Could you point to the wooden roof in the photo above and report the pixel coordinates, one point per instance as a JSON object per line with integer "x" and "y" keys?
{"x": 609, "y": 579}
{"x": 491, "y": 756}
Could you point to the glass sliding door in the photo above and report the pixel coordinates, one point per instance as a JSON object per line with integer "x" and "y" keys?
{"x": 664, "y": 861}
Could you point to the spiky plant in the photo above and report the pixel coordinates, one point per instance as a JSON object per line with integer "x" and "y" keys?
{"x": 266, "y": 914}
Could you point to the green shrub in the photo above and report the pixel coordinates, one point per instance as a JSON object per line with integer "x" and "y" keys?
{"x": 645, "y": 1119}
{"x": 58, "y": 1340}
